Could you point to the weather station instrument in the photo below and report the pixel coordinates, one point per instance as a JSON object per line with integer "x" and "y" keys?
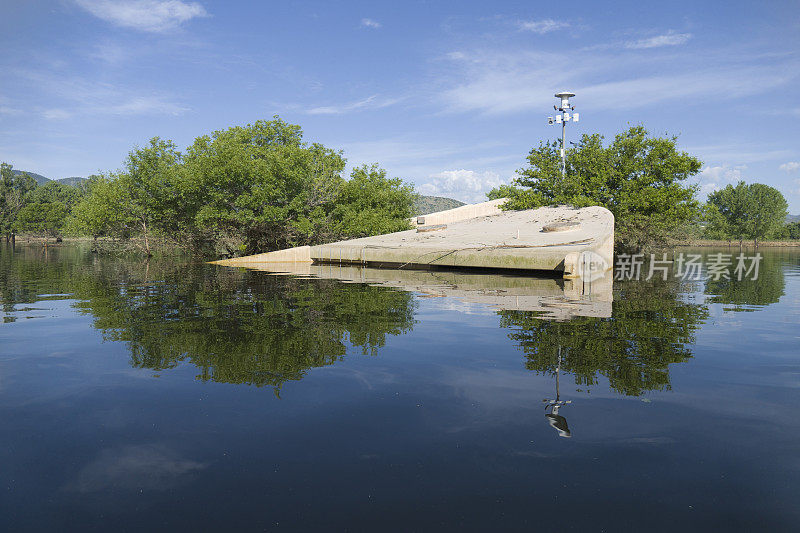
{"x": 566, "y": 114}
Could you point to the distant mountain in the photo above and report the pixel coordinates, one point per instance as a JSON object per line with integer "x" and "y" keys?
{"x": 40, "y": 180}
{"x": 74, "y": 181}
{"x": 432, "y": 204}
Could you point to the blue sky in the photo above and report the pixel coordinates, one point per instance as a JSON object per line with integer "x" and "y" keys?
{"x": 448, "y": 95}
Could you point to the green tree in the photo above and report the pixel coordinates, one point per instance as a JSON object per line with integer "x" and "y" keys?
{"x": 14, "y": 190}
{"x": 54, "y": 191}
{"x": 372, "y": 204}
{"x": 728, "y": 207}
{"x": 149, "y": 188}
{"x": 101, "y": 212}
{"x": 752, "y": 211}
{"x": 767, "y": 213}
{"x": 143, "y": 199}
{"x": 44, "y": 218}
{"x": 252, "y": 188}
{"x": 639, "y": 178}
{"x": 47, "y": 208}
{"x": 261, "y": 186}
{"x": 506, "y": 191}
{"x": 792, "y": 230}
{"x": 715, "y": 225}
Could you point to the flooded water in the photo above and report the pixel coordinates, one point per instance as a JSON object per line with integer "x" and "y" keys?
{"x": 183, "y": 396}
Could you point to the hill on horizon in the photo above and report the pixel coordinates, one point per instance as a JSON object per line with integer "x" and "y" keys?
{"x": 73, "y": 181}
{"x": 425, "y": 205}
{"x": 40, "y": 180}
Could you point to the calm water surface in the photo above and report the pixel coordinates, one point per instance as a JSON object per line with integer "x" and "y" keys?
{"x": 179, "y": 396}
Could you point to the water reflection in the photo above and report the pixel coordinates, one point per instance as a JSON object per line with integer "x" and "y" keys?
{"x": 235, "y": 327}
{"x": 557, "y": 421}
{"x": 92, "y": 444}
{"x": 740, "y": 295}
{"x": 253, "y": 328}
{"x": 551, "y": 297}
{"x": 652, "y": 326}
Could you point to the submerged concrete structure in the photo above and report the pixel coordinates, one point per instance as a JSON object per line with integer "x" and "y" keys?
{"x": 573, "y": 242}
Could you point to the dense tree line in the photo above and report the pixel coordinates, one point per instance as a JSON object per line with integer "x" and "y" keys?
{"x": 40, "y": 210}
{"x": 246, "y": 189}
{"x": 261, "y": 187}
{"x": 241, "y": 190}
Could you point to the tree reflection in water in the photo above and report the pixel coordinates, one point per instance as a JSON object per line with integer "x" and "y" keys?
{"x": 237, "y": 327}
{"x": 234, "y": 326}
{"x": 746, "y": 293}
{"x": 264, "y": 330}
{"x": 651, "y": 327}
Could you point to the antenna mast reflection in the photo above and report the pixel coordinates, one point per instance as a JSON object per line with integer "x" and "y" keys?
{"x": 553, "y": 418}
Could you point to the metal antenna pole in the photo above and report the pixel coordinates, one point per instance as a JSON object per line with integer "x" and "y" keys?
{"x": 563, "y": 149}
{"x": 558, "y": 372}
{"x": 562, "y": 118}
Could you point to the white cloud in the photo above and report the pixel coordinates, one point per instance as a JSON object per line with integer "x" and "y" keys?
{"x": 373, "y": 102}
{"x": 542, "y": 26}
{"x": 723, "y": 172}
{"x": 144, "y": 15}
{"x": 511, "y": 81}
{"x": 120, "y": 106}
{"x": 671, "y": 38}
{"x": 369, "y": 23}
{"x": 741, "y": 153}
{"x": 420, "y": 158}
{"x": 6, "y": 109}
{"x": 143, "y": 105}
{"x": 70, "y": 96}
{"x": 135, "y": 468}
{"x": 713, "y": 178}
{"x": 110, "y": 53}
{"x": 465, "y": 185}
{"x": 791, "y": 166}
{"x": 56, "y": 114}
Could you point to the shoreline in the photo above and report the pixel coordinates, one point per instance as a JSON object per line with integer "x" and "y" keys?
{"x": 709, "y": 243}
